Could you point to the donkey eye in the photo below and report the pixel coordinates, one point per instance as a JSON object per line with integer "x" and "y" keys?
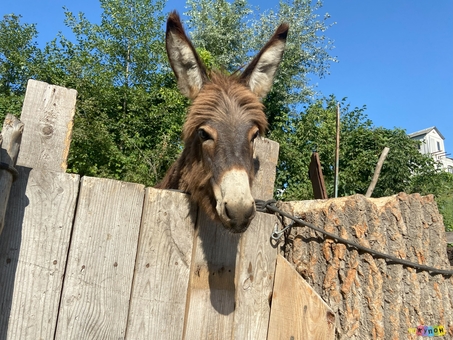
{"x": 255, "y": 135}
{"x": 204, "y": 135}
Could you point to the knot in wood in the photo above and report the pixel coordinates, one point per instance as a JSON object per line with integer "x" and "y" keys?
{"x": 47, "y": 130}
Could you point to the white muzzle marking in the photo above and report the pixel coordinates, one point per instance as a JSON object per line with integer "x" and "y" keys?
{"x": 235, "y": 204}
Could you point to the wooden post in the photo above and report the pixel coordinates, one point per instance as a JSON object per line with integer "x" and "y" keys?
{"x": 10, "y": 143}
{"x": 377, "y": 171}
{"x": 38, "y": 222}
{"x": 337, "y": 151}
{"x": 316, "y": 177}
{"x": 47, "y": 113}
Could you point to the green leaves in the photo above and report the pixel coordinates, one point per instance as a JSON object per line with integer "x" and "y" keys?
{"x": 220, "y": 27}
{"x": 18, "y": 53}
{"x": 130, "y": 113}
{"x": 360, "y": 147}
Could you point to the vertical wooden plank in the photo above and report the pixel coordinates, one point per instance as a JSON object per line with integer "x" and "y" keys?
{"x": 47, "y": 114}
{"x": 211, "y": 297}
{"x": 255, "y": 279}
{"x": 266, "y": 158}
{"x": 298, "y": 312}
{"x": 316, "y": 177}
{"x": 218, "y": 273}
{"x": 162, "y": 267}
{"x": 97, "y": 285}
{"x": 33, "y": 251}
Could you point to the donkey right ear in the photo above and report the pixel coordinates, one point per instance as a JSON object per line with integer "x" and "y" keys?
{"x": 184, "y": 60}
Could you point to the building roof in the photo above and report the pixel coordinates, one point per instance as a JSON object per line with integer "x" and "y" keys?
{"x": 425, "y": 132}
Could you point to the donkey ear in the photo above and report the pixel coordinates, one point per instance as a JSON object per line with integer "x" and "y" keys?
{"x": 184, "y": 60}
{"x": 259, "y": 75}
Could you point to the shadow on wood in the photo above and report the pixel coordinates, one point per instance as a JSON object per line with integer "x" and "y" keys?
{"x": 10, "y": 245}
{"x": 219, "y": 249}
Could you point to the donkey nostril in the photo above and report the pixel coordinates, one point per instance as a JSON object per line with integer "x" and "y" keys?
{"x": 243, "y": 211}
{"x": 250, "y": 211}
{"x": 227, "y": 213}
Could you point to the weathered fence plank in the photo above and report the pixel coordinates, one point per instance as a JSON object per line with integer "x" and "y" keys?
{"x": 255, "y": 279}
{"x": 98, "y": 281}
{"x": 266, "y": 159}
{"x": 33, "y": 251}
{"x": 211, "y": 296}
{"x": 47, "y": 114}
{"x": 158, "y": 299}
{"x": 297, "y": 310}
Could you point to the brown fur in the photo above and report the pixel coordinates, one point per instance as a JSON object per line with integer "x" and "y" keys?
{"x": 223, "y": 102}
{"x": 223, "y": 120}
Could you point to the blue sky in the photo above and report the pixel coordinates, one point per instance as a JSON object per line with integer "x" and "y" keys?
{"x": 395, "y": 57}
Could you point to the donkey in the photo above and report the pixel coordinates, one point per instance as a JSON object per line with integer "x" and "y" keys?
{"x": 226, "y": 116}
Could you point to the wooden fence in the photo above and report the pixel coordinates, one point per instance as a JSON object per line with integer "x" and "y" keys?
{"x": 94, "y": 258}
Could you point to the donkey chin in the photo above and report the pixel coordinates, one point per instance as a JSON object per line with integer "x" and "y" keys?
{"x": 235, "y": 205}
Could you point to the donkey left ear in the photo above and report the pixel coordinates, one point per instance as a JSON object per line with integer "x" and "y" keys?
{"x": 259, "y": 75}
{"x": 184, "y": 60}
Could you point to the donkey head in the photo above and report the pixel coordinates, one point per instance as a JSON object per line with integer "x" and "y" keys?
{"x": 216, "y": 166}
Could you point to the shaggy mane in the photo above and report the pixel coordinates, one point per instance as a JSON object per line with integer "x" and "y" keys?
{"x": 224, "y": 99}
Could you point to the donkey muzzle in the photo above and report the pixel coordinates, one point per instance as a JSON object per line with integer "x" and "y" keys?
{"x": 235, "y": 204}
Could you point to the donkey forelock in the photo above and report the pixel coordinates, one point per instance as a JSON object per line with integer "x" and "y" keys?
{"x": 225, "y": 101}
{"x": 216, "y": 166}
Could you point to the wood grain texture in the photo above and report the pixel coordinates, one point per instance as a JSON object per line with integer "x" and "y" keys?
{"x": 372, "y": 298}
{"x": 266, "y": 159}
{"x": 255, "y": 279}
{"x": 98, "y": 281}
{"x": 298, "y": 312}
{"x": 47, "y": 114}
{"x": 231, "y": 281}
{"x": 211, "y": 296}
{"x": 33, "y": 252}
{"x": 162, "y": 268}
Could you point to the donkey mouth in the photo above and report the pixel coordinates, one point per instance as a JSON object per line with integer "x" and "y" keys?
{"x": 235, "y": 204}
{"x": 241, "y": 223}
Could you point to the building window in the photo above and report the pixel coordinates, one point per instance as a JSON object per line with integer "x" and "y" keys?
{"x": 438, "y": 146}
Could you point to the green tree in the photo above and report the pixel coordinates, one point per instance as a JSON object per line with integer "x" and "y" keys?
{"x": 233, "y": 33}
{"x": 129, "y": 112}
{"x": 18, "y": 56}
{"x": 440, "y": 184}
{"x": 360, "y": 147}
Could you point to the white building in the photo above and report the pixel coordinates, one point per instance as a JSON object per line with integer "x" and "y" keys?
{"x": 433, "y": 144}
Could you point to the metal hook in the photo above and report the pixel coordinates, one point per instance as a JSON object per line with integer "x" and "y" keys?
{"x": 277, "y": 234}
